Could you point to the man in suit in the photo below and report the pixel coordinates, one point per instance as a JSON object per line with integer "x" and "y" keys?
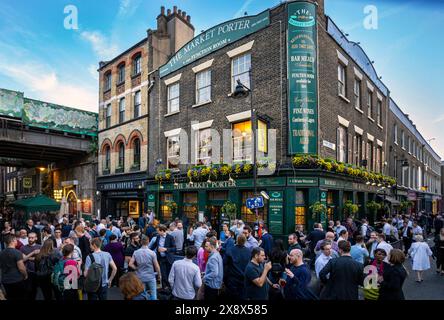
{"x": 407, "y": 236}
{"x": 313, "y": 238}
{"x": 165, "y": 249}
{"x": 31, "y": 228}
{"x": 342, "y": 276}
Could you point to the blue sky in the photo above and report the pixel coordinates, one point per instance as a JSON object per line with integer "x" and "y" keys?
{"x": 46, "y": 61}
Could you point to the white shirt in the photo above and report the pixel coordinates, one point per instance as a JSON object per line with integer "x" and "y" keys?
{"x": 184, "y": 278}
{"x": 387, "y": 229}
{"x": 386, "y": 247}
{"x": 24, "y": 241}
{"x": 364, "y": 230}
{"x": 320, "y": 263}
{"x": 341, "y": 239}
{"x": 100, "y": 226}
{"x": 417, "y": 231}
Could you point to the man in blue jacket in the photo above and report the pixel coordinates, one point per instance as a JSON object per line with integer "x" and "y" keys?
{"x": 266, "y": 241}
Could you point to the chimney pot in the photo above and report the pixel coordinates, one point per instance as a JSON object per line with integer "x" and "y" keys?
{"x": 188, "y": 18}
{"x": 169, "y": 12}
{"x": 184, "y": 14}
{"x": 179, "y": 12}
{"x": 175, "y": 9}
{"x": 162, "y": 10}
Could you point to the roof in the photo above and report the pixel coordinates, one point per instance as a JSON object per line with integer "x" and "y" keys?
{"x": 409, "y": 125}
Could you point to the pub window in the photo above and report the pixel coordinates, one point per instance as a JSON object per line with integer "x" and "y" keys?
{"x": 203, "y": 149}
{"x": 330, "y": 206}
{"x": 165, "y": 211}
{"x": 357, "y": 92}
{"x": 342, "y": 144}
{"x": 173, "y": 97}
{"x": 190, "y": 206}
{"x": 173, "y": 151}
{"x": 300, "y": 209}
{"x": 137, "y": 102}
{"x": 203, "y": 86}
{"x": 249, "y": 216}
{"x": 341, "y": 79}
{"x": 242, "y": 141}
{"x": 121, "y": 110}
{"x": 217, "y": 195}
{"x": 240, "y": 67}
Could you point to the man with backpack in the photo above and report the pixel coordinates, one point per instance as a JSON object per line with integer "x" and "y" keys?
{"x": 97, "y": 266}
{"x": 366, "y": 230}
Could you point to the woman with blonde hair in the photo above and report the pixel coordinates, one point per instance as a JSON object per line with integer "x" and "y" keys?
{"x": 132, "y": 288}
{"x": 420, "y": 253}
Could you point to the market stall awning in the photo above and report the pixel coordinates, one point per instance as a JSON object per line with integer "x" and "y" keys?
{"x": 37, "y": 203}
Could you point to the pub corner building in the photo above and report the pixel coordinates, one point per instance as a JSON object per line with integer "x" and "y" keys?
{"x": 322, "y": 116}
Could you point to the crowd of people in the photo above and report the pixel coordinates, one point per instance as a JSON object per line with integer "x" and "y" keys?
{"x": 74, "y": 259}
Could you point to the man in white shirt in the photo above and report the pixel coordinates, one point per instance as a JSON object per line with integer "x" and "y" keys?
{"x": 417, "y": 230}
{"x": 324, "y": 257}
{"x": 185, "y": 276}
{"x": 101, "y": 225}
{"x": 199, "y": 234}
{"x": 387, "y": 228}
{"x": 343, "y": 236}
{"x": 364, "y": 228}
{"x": 385, "y": 246}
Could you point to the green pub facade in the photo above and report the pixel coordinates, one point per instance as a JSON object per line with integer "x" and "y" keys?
{"x": 325, "y": 150}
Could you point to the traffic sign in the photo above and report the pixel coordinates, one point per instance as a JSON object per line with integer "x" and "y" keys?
{"x": 254, "y": 203}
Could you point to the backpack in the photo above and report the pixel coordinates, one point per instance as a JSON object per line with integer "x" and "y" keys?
{"x": 58, "y": 276}
{"x": 44, "y": 267}
{"x": 93, "y": 280}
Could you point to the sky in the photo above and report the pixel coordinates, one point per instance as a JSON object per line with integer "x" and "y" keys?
{"x": 42, "y": 58}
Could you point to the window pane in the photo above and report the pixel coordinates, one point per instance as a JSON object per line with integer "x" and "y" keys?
{"x": 173, "y": 98}
{"x": 204, "y": 149}
{"x": 241, "y": 66}
{"x": 242, "y": 141}
{"x": 262, "y": 142}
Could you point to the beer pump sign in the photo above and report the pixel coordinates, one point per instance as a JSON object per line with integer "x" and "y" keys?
{"x": 302, "y": 78}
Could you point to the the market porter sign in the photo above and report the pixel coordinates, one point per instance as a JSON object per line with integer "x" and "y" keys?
{"x": 302, "y": 78}
{"x": 215, "y": 38}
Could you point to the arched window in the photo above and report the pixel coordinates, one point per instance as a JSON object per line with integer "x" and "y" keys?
{"x": 136, "y": 148}
{"x": 137, "y": 64}
{"x": 121, "y": 74}
{"x": 106, "y": 165}
{"x": 108, "y": 79}
{"x": 121, "y": 156}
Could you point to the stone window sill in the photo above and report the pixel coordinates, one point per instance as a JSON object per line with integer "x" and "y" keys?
{"x": 362, "y": 112}
{"x": 201, "y": 104}
{"x": 172, "y": 113}
{"x": 380, "y": 127}
{"x": 371, "y": 119}
{"x": 344, "y": 98}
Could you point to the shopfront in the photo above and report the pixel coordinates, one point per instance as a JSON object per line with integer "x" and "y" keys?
{"x": 288, "y": 205}
{"x": 121, "y": 199}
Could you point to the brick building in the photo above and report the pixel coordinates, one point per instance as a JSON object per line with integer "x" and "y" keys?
{"x": 123, "y": 126}
{"x": 331, "y": 122}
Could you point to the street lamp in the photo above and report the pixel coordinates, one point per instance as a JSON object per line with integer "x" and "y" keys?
{"x": 241, "y": 91}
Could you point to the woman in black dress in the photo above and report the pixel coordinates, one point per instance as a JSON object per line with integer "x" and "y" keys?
{"x": 394, "y": 277}
{"x": 439, "y": 252}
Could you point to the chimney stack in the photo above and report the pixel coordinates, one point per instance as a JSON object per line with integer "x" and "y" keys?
{"x": 175, "y": 9}
{"x": 162, "y": 10}
{"x": 189, "y": 18}
{"x": 168, "y": 12}
{"x": 184, "y": 14}
{"x": 179, "y": 12}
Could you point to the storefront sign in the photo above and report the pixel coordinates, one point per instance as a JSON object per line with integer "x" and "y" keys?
{"x": 335, "y": 184}
{"x": 303, "y": 182}
{"x": 276, "y": 209}
{"x": 302, "y": 78}
{"x": 120, "y": 185}
{"x": 254, "y": 203}
{"x": 151, "y": 200}
{"x": 411, "y": 195}
{"x": 214, "y": 39}
{"x": 86, "y": 206}
{"x": 241, "y": 183}
{"x": 328, "y": 144}
{"x": 27, "y": 183}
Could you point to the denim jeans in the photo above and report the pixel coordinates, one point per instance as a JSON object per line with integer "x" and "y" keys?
{"x": 102, "y": 294}
{"x": 151, "y": 287}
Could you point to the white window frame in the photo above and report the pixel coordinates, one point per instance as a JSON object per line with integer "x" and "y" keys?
{"x": 396, "y": 134}
{"x": 137, "y": 65}
{"x": 121, "y": 74}
{"x": 173, "y": 98}
{"x": 342, "y": 143}
{"x": 357, "y": 85}
{"x": 137, "y": 106}
{"x": 403, "y": 139}
{"x": 108, "y": 114}
{"x": 370, "y": 104}
{"x": 203, "y": 157}
{"x": 379, "y": 112}
{"x": 108, "y": 81}
{"x": 170, "y": 153}
{"x": 342, "y": 82}
{"x": 243, "y": 75}
{"x": 206, "y": 74}
{"x": 122, "y": 118}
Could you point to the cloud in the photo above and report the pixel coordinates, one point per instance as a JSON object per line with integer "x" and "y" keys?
{"x": 242, "y": 10}
{"x": 41, "y": 82}
{"x": 127, "y": 8}
{"x": 439, "y": 119}
{"x": 102, "y": 47}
